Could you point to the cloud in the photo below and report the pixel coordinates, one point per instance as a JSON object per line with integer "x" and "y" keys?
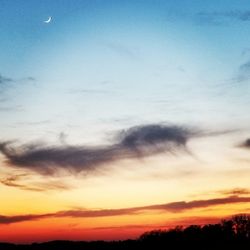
{"x": 243, "y": 72}
{"x": 182, "y": 205}
{"x": 172, "y": 207}
{"x": 81, "y": 91}
{"x": 124, "y": 50}
{"x": 20, "y": 218}
{"x": 246, "y": 144}
{"x": 7, "y": 80}
{"x": 221, "y": 17}
{"x": 11, "y": 181}
{"x": 140, "y": 136}
{"x": 16, "y": 181}
{"x": 62, "y": 137}
{"x": 4, "y": 80}
{"x": 7, "y": 84}
{"x": 235, "y": 191}
{"x": 135, "y": 142}
{"x": 16, "y": 108}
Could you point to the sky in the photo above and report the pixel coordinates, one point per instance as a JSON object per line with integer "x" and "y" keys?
{"x": 120, "y": 117}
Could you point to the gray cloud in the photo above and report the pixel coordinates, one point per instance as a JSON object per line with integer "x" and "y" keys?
{"x": 172, "y": 207}
{"x": 136, "y": 142}
{"x": 62, "y": 137}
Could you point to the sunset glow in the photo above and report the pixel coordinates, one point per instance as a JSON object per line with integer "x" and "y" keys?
{"x": 120, "y": 117}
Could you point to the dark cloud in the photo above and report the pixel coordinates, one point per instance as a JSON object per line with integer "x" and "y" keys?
{"x": 138, "y": 137}
{"x": 221, "y": 17}
{"x": 172, "y": 207}
{"x": 136, "y": 142}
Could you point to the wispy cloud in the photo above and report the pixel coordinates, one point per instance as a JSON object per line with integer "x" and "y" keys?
{"x": 81, "y": 91}
{"x": 8, "y": 82}
{"x": 135, "y": 142}
{"x": 18, "y": 180}
{"x": 173, "y": 207}
{"x": 243, "y": 72}
{"x": 123, "y": 50}
{"x": 235, "y": 191}
{"x": 4, "y": 80}
{"x": 16, "y": 108}
{"x": 221, "y": 17}
{"x": 11, "y": 181}
{"x": 5, "y": 83}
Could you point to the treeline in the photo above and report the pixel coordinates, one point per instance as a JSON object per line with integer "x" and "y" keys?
{"x": 237, "y": 228}
{"x": 229, "y": 234}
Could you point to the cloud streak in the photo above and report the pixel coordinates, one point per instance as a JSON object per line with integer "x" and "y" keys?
{"x": 4, "y": 80}
{"x": 17, "y": 181}
{"x": 236, "y": 191}
{"x": 135, "y": 142}
{"x": 220, "y": 17}
{"x": 8, "y": 82}
{"x": 173, "y": 207}
{"x": 12, "y": 182}
{"x": 243, "y": 72}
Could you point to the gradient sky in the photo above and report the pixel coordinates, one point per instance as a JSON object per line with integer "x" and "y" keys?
{"x": 119, "y": 117}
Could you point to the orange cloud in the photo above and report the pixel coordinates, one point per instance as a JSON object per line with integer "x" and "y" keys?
{"x": 169, "y": 207}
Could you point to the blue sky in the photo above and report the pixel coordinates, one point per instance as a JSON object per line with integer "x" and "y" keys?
{"x": 105, "y": 64}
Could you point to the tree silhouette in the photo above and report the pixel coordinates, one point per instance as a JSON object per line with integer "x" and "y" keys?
{"x": 242, "y": 226}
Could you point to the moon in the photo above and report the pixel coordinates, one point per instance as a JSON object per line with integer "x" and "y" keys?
{"x": 49, "y": 20}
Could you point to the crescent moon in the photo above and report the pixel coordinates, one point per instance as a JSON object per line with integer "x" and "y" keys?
{"x": 49, "y": 20}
